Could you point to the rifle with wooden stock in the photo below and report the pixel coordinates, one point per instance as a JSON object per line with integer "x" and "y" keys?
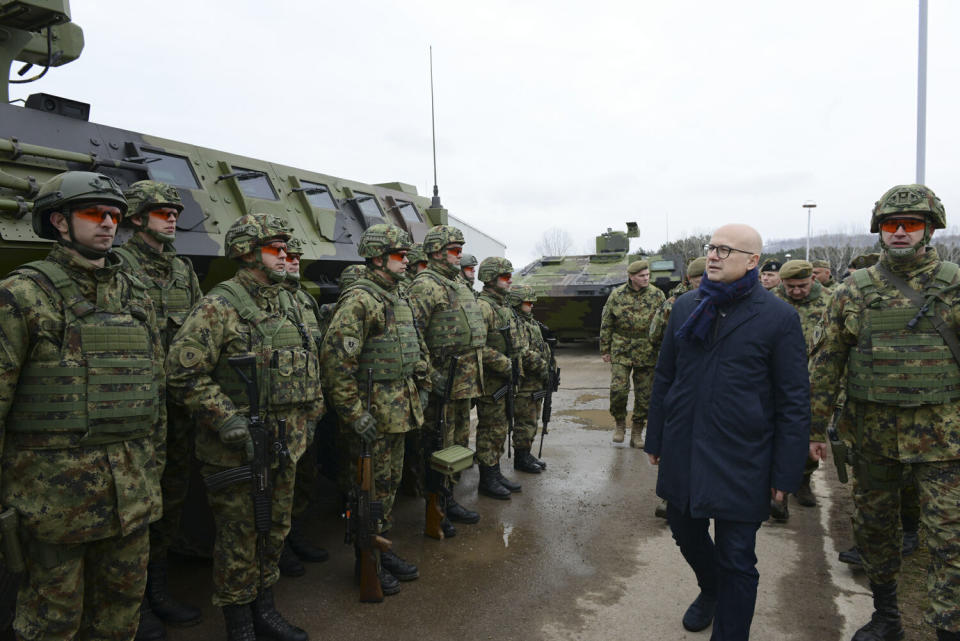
{"x": 510, "y": 389}
{"x": 437, "y": 482}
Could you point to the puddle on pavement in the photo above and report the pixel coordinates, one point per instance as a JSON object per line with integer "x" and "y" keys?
{"x": 586, "y": 398}
{"x": 590, "y": 419}
{"x": 506, "y": 529}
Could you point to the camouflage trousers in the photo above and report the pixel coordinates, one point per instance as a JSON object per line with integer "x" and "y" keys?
{"x": 878, "y": 533}
{"x": 305, "y": 483}
{"x": 527, "y": 411}
{"x": 92, "y": 591}
{"x": 491, "y": 430}
{"x": 236, "y": 566}
{"x": 386, "y": 454}
{"x": 620, "y": 389}
{"x": 175, "y": 482}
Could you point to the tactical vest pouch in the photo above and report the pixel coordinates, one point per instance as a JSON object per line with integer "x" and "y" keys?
{"x": 393, "y": 354}
{"x": 293, "y": 375}
{"x": 451, "y": 460}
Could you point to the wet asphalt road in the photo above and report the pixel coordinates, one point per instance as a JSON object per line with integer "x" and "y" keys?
{"x": 577, "y": 555}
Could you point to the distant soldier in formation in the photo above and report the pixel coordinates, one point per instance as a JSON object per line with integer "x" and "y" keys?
{"x": 173, "y": 286}
{"x": 770, "y": 273}
{"x": 496, "y": 275}
{"x": 373, "y": 330}
{"x": 452, "y": 325}
{"x": 297, "y": 547}
{"x": 528, "y": 404}
{"x": 822, "y": 273}
{"x": 83, "y": 411}
{"x": 695, "y": 271}
{"x": 249, "y": 314}
{"x": 625, "y": 344}
{"x": 799, "y": 288}
{"x": 348, "y": 276}
{"x": 892, "y": 328}
{"x": 468, "y": 267}
{"x": 418, "y": 263}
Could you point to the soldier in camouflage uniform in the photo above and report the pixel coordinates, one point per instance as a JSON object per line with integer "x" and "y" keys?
{"x": 249, "y": 314}
{"x": 799, "y": 288}
{"x": 82, "y": 418}
{"x": 625, "y": 344}
{"x": 348, "y": 276}
{"x": 468, "y": 268}
{"x": 695, "y": 271}
{"x": 297, "y": 547}
{"x": 496, "y": 275}
{"x": 903, "y": 383}
{"x": 822, "y": 273}
{"x": 418, "y": 263}
{"x": 174, "y": 289}
{"x": 452, "y": 324}
{"x": 373, "y": 330}
{"x": 533, "y": 385}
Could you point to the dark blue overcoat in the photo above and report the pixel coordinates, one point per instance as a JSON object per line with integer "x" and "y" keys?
{"x": 730, "y": 418}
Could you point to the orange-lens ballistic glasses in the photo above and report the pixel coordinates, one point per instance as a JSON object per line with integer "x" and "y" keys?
{"x": 910, "y": 225}
{"x": 164, "y": 214}
{"x": 274, "y": 249}
{"x": 397, "y": 256}
{"x": 454, "y": 251}
{"x": 98, "y": 214}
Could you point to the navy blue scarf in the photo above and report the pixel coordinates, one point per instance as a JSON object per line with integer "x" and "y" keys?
{"x": 713, "y": 294}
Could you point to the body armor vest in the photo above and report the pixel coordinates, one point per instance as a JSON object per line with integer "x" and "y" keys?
{"x": 393, "y": 353}
{"x": 894, "y": 364}
{"x": 287, "y": 359}
{"x": 503, "y": 317}
{"x": 459, "y": 328}
{"x": 173, "y": 300}
{"x": 105, "y": 383}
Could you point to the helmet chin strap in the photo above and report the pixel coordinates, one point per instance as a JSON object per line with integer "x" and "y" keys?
{"x": 166, "y": 239}
{"x": 275, "y": 276}
{"x": 83, "y": 250}
{"x": 294, "y": 276}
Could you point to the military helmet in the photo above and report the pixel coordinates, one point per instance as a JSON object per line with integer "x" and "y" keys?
{"x": 903, "y": 199}
{"x": 251, "y": 230}
{"x": 416, "y": 254}
{"x": 521, "y": 293}
{"x": 350, "y": 275}
{"x": 380, "y": 239}
{"x": 69, "y": 189}
{"x": 493, "y": 266}
{"x": 145, "y": 195}
{"x": 294, "y": 247}
{"x": 439, "y": 237}
{"x": 468, "y": 260}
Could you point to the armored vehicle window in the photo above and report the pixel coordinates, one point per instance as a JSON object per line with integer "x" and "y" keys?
{"x": 318, "y": 195}
{"x": 256, "y": 187}
{"x": 368, "y": 205}
{"x": 661, "y": 265}
{"x": 170, "y": 169}
{"x": 408, "y": 211}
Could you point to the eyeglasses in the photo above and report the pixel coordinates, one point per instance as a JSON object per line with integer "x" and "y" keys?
{"x": 505, "y": 277}
{"x": 98, "y": 214}
{"x": 910, "y": 225}
{"x": 293, "y": 257}
{"x": 455, "y": 251}
{"x": 274, "y": 248}
{"x": 397, "y": 256}
{"x": 723, "y": 251}
{"x": 164, "y": 214}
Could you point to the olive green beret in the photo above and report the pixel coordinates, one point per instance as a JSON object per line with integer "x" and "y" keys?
{"x": 638, "y": 266}
{"x": 696, "y": 267}
{"x": 772, "y": 265}
{"x": 796, "y": 269}
{"x": 820, "y": 263}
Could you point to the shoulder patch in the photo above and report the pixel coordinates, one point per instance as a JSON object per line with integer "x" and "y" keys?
{"x": 190, "y": 356}
{"x": 351, "y": 345}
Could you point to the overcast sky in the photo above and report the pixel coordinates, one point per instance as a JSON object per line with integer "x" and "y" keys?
{"x": 580, "y": 115}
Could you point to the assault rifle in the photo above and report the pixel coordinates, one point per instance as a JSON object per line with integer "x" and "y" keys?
{"x": 553, "y": 384}
{"x": 512, "y": 382}
{"x": 362, "y": 516}
{"x": 436, "y": 482}
{"x": 258, "y": 470}
{"x": 838, "y": 447}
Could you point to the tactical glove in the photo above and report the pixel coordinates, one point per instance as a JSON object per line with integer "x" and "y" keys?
{"x": 235, "y": 432}
{"x": 424, "y": 399}
{"x": 500, "y": 366}
{"x": 365, "y": 427}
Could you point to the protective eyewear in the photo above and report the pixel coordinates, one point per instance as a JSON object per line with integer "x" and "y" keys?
{"x": 274, "y": 249}
{"x": 164, "y": 214}
{"x": 910, "y": 225}
{"x": 293, "y": 257}
{"x": 723, "y": 251}
{"x": 505, "y": 277}
{"x": 397, "y": 256}
{"x": 98, "y": 214}
{"x": 455, "y": 251}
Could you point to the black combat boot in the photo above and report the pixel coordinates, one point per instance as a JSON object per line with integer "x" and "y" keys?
{"x": 504, "y": 481}
{"x": 805, "y": 495}
{"x": 490, "y": 485}
{"x": 884, "y": 625}
{"x": 537, "y": 461}
{"x": 779, "y": 509}
{"x": 851, "y": 556}
{"x": 522, "y": 462}
{"x": 289, "y": 564}
{"x": 399, "y": 568}
{"x": 267, "y": 622}
{"x": 168, "y": 609}
{"x": 239, "y": 620}
{"x": 947, "y": 635}
{"x": 150, "y": 628}
{"x": 302, "y": 547}
{"x": 448, "y": 530}
{"x": 459, "y": 514}
{"x": 388, "y": 583}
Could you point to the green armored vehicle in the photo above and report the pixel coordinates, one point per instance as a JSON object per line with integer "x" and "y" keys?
{"x": 50, "y": 134}
{"x": 571, "y": 290}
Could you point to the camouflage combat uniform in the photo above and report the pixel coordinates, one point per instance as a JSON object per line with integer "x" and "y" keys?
{"x": 624, "y": 334}
{"x": 659, "y": 321}
{"x": 528, "y": 403}
{"x": 85, "y": 482}
{"x": 372, "y": 328}
{"x": 810, "y": 309}
{"x": 239, "y": 317}
{"x": 901, "y": 422}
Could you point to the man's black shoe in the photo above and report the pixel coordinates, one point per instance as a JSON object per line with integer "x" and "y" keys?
{"x": 267, "y": 622}
{"x": 399, "y": 568}
{"x": 779, "y": 509}
{"x": 851, "y": 556}
{"x": 805, "y": 495}
{"x": 459, "y": 514}
{"x": 388, "y": 583}
{"x": 490, "y": 485}
{"x": 150, "y": 627}
{"x": 239, "y": 620}
{"x": 448, "y": 530}
{"x": 167, "y": 609}
{"x": 504, "y": 481}
{"x": 885, "y": 623}
{"x": 700, "y": 613}
{"x": 523, "y": 462}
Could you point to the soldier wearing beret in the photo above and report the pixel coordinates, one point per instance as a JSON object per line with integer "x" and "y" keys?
{"x": 625, "y": 344}
{"x": 822, "y": 273}
{"x": 770, "y": 273}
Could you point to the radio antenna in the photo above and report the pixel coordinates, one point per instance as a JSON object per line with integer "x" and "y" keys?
{"x": 435, "y": 202}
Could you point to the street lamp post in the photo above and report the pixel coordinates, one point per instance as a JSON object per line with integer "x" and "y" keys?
{"x": 809, "y": 205}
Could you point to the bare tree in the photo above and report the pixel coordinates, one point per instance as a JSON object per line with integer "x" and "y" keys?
{"x": 688, "y": 248}
{"x": 554, "y": 242}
